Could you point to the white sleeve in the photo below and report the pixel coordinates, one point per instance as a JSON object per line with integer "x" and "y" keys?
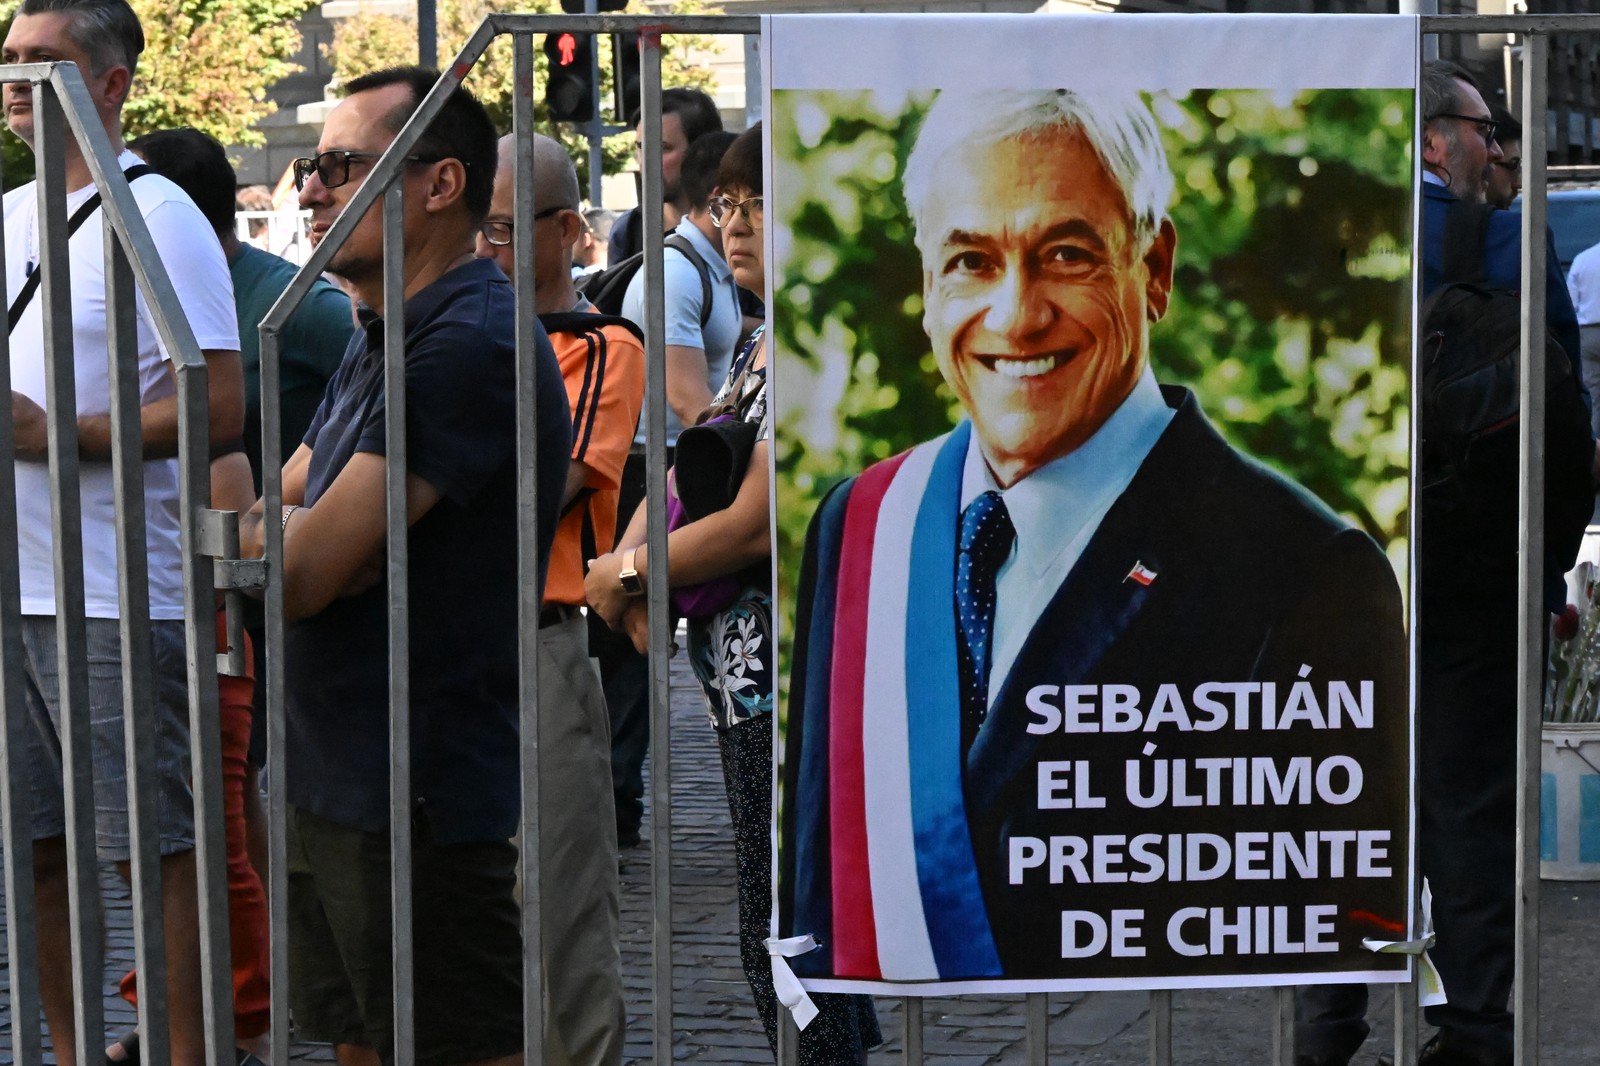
{"x": 199, "y": 271}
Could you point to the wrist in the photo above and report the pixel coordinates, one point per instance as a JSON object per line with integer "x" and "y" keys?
{"x": 629, "y": 577}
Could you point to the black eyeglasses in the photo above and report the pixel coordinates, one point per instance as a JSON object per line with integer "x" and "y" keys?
{"x": 497, "y": 231}
{"x": 1486, "y": 126}
{"x": 1510, "y": 166}
{"x": 752, "y": 209}
{"x": 333, "y": 168}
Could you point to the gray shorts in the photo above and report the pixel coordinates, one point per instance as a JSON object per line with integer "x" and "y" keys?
{"x": 174, "y": 804}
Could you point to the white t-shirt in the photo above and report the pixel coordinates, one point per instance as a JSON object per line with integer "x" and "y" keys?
{"x": 199, "y": 272}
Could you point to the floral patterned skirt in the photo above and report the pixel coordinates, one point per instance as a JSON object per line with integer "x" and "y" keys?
{"x": 731, "y": 655}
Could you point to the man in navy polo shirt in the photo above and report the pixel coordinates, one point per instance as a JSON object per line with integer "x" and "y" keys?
{"x": 462, "y": 499}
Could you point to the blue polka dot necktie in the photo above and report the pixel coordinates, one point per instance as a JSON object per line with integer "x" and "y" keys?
{"x": 986, "y": 536}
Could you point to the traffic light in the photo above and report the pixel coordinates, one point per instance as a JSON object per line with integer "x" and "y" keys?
{"x": 569, "y": 92}
{"x": 625, "y": 74}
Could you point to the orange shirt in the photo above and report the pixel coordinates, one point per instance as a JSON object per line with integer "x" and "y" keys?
{"x": 604, "y": 371}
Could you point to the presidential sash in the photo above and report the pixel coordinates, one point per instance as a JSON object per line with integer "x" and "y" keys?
{"x": 881, "y": 736}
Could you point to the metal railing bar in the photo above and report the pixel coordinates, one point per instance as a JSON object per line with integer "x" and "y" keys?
{"x": 383, "y": 174}
{"x": 1531, "y": 622}
{"x": 1283, "y": 1027}
{"x": 1405, "y": 1019}
{"x": 911, "y": 1038}
{"x": 55, "y": 306}
{"x": 16, "y": 806}
{"x": 1038, "y": 1028}
{"x": 650, "y": 25}
{"x": 134, "y": 629}
{"x": 33, "y": 73}
{"x": 1525, "y": 25}
{"x": 1161, "y": 1027}
{"x": 656, "y": 539}
{"x": 205, "y": 725}
{"x": 395, "y": 466}
{"x": 273, "y": 632}
{"x": 121, "y": 209}
{"x": 788, "y": 1050}
{"x": 529, "y": 602}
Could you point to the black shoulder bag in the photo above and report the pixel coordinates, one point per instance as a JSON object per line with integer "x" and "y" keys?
{"x": 79, "y": 217}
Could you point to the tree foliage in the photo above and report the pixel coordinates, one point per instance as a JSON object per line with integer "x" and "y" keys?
{"x": 367, "y": 42}
{"x": 1290, "y": 319}
{"x": 206, "y": 64}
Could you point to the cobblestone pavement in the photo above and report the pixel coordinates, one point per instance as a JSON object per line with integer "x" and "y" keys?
{"x": 714, "y": 1021}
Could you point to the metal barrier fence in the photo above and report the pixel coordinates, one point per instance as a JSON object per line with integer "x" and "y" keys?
{"x": 131, "y": 256}
{"x": 63, "y": 108}
{"x": 284, "y": 233}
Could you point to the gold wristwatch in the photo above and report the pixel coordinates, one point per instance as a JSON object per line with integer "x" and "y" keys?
{"x": 629, "y": 578}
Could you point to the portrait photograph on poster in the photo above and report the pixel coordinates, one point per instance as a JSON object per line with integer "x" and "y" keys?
{"x": 1092, "y": 349}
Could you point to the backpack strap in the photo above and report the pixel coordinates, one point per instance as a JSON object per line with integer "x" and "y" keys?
{"x": 681, "y": 244}
{"x": 584, "y": 321}
{"x": 1466, "y": 229}
{"x": 79, "y": 217}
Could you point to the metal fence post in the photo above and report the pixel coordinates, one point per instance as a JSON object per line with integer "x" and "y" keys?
{"x": 1161, "y": 1027}
{"x": 911, "y": 1041}
{"x": 1405, "y": 1019}
{"x": 1532, "y": 622}
{"x": 1283, "y": 1027}
{"x": 277, "y": 740}
{"x": 529, "y": 603}
{"x": 1038, "y": 1029}
{"x": 656, "y": 539}
{"x": 16, "y": 807}
{"x": 55, "y": 307}
{"x": 394, "y": 442}
{"x": 138, "y": 670}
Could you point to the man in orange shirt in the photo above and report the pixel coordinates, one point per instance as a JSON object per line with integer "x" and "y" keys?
{"x": 602, "y": 362}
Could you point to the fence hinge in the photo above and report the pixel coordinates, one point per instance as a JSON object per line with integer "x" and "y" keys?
{"x": 217, "y": 534}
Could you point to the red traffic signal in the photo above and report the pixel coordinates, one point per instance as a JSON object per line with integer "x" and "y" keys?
{"x": 570, "y": 89}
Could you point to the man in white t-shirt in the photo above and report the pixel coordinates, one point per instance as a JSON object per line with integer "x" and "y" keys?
{"x": 104, "y": 39}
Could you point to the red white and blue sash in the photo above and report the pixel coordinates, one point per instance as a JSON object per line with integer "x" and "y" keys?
{"x": 906, "y": 901}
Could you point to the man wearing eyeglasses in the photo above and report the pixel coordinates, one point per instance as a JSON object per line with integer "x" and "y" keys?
{"x": 462, "y": 504}
{"x": 1505, "y": 173}
{"x": 1467, "y": 604}
{"x": 104, "y": 39}
{"x": 603, "y": 363}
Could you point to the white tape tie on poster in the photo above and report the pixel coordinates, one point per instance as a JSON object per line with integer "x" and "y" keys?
{"x": 785, "y": 983}
{"x": 1431, "y": 991}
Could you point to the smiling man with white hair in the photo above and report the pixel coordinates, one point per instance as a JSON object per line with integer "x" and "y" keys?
{"x": 1082, "y": 525}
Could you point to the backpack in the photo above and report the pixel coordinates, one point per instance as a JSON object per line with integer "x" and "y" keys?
{"x": 590, "y": 326}
{"x": 606, "y": 288}
{"x": 1469, "y": 489}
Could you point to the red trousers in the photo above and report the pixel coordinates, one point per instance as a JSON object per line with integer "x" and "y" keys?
{"x": 247, "y": 899}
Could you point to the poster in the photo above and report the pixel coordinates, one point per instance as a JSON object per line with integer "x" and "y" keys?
{"x": 1092, "y": 348}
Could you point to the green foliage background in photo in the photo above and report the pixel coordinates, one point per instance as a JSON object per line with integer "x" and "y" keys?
{"x": 1290, "y": 320}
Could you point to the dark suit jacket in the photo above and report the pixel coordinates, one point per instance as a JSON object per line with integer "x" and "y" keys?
{"x": 1255, "y": 580}
{"x": 1465, "y": 566}
{"x": 1502, "y": 260}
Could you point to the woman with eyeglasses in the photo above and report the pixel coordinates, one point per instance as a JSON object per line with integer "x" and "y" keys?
{"x": 726, "y": 556}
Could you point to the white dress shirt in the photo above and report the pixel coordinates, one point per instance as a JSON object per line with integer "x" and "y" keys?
{"x": 1056, "y": 510}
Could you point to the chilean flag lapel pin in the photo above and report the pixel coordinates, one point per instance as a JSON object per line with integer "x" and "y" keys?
{"x": 1141, "y": 574}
